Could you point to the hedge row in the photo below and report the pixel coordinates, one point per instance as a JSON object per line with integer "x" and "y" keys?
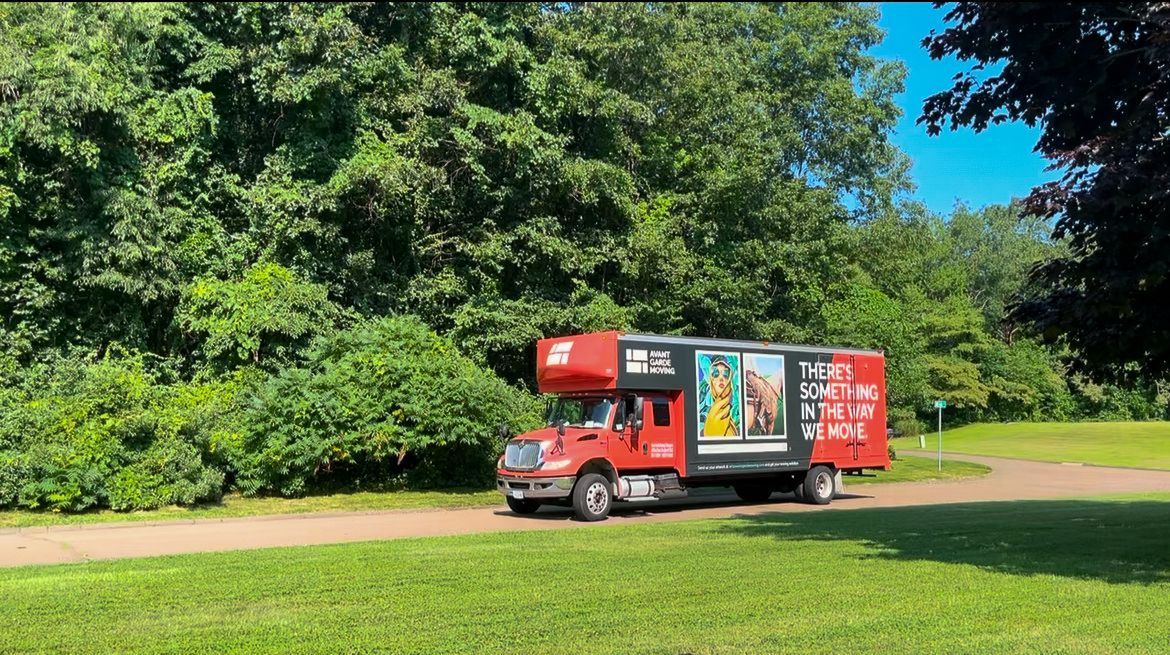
{"x": 384, "y": 402}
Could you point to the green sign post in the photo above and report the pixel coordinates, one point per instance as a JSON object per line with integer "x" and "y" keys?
{"x": 940, "y": 404}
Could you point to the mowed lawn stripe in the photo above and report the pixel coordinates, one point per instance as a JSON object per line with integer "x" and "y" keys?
{"x": 1144, "y": 445}
{"x": 1076, "y": 576}
{"x": 236, "y": 506}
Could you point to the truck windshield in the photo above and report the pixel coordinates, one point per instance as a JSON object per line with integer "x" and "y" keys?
{"x": 590, "y": 412}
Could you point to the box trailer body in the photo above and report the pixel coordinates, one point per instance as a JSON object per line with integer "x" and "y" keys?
{"x": 665, "y": 414}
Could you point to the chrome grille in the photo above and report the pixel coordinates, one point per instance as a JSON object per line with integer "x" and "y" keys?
{"x": 522, "y": 455}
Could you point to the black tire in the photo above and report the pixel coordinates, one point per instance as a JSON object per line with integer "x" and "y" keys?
{"x": 820, "y": 485}
{"x": 521, "y": 506}
{"x": 753, "y": 492}
{"x": 592, "y": 497}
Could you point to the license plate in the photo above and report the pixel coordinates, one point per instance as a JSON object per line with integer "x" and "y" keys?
{"x": 516, "y": 493}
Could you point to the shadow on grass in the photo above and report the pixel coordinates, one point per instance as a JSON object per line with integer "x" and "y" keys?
{"x": 702, "y": 498}
{"x": 1113, "y": 541}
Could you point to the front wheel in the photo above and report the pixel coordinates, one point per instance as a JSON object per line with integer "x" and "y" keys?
{"x": 592, "y": 497}
{"x": 521, "y": 506}
{"x": 820, "y": 485}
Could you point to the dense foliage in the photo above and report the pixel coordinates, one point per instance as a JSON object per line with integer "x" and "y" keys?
{"x": 503, "y": 171}
{"x": 1096, "y": 76}
{"x": 383, "y": 397}
{"x": 218, "y": 206}
{"x": 77, "y": 432}
{"x": 384, "y": 402}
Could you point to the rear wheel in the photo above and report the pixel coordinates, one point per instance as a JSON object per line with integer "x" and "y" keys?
{"x": 753, "y": 492}
{"x": 592, "y": 497}
{"x": 521, "y": 506}
{"x": 819, "y": 485}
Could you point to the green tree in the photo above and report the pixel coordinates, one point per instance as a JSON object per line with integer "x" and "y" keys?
{"x": 521, "y": 167}
{"x": 105, "y": 174}
{"x": 268, "y": 311}
{"x": 1026, "y": 383}
{"x": 998, "y": 245}
{"x": 81, "y": 432}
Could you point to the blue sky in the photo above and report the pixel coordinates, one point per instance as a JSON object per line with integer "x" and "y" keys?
{"x": 993, "y": 166}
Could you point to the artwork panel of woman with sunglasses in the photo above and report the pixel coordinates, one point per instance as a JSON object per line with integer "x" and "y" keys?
{"x": 719, "y": 394}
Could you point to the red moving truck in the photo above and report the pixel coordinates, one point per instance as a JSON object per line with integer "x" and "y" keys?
{"x": 640, "y": 417}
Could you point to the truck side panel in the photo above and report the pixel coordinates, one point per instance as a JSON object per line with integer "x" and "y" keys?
{"x": 847, "y": 398}
{"x": 765, "y": 408}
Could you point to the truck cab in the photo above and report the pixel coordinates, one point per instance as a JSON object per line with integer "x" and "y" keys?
{"x": 595, "y": 434}
{"x": 629, "y": 422}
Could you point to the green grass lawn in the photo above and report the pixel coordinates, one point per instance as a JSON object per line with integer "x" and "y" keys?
{"x": 1067, "y": 576}
{"x": 1145, "y": 445}
{"x": 911, "y": 468}
{"x": 233, "y": 506}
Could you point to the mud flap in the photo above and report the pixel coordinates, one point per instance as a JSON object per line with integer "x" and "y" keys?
{"x": 838, "y": 484}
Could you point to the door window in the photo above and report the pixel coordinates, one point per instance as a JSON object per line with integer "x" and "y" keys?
{"x": 661, "y": 412}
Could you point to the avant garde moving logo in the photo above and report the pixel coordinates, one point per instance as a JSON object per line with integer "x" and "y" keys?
{"x": 652, "y": 362}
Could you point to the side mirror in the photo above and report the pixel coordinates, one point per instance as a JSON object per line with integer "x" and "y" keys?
{"x": 639, "y": 403}
{"x": 629, "y": 422}
{"x": 504, "y": 433}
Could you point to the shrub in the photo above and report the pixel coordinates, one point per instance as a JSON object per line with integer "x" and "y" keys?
{"x": 77, "y": 433}
{"x": 387, "y": 399}
{"x": 1109, "y": 402}
{"x": 12, "y": 476}
{"x": 905, "y": 422}
{"x": 170, "y": 472}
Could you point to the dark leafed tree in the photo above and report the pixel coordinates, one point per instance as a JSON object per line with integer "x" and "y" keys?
{"x": 1096, "y": 77}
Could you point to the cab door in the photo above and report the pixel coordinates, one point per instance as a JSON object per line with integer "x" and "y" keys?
{"x": 661, "y": 426}
{"x": 653, "y": 444}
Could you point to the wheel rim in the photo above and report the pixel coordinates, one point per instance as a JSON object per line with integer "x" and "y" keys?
{"x": 596, "y": 498}
{"x": 824, "y": 485}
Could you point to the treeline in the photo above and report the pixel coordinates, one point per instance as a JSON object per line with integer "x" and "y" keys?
{"x": 276, "y": 246}
{"x": 935, "y": 293}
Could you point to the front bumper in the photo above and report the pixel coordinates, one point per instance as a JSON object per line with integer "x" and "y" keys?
{"x": 536, "y": 488}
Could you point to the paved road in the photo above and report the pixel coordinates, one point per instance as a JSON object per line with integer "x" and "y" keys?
{"x": 1009, "y": 480}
